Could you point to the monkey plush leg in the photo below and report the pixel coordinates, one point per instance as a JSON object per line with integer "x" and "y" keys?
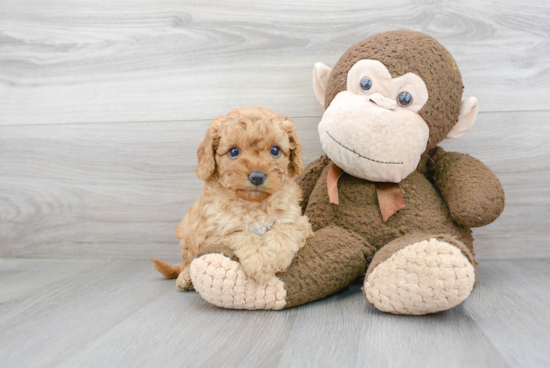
{"x": 420, "y": 274}
{"x": 328, "y": 262}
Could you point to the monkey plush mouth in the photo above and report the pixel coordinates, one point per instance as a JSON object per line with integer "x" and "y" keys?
{"x": 360, "y": 155}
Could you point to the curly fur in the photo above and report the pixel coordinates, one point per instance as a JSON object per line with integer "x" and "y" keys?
{"x": 262, "y": 224}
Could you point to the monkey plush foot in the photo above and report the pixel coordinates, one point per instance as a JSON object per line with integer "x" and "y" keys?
{"x": 222, "y": 282}
{"x": 424, "y": 277}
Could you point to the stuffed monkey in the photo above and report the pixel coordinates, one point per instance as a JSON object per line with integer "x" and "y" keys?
{"x": 385, "y": 201}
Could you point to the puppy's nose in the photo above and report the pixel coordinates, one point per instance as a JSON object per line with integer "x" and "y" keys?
{"x": 256, "y": 177}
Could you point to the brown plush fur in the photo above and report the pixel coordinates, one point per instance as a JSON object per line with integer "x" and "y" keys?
{"x": 425, "y": 210}
{"x": 317, "y": 269}
{"x": 454, "y": 174}
{"x": 262, "y": 224}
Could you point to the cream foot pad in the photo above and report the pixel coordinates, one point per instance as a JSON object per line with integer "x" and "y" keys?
{"x": 223, "y": 283}
{"x": 425, "y": 277}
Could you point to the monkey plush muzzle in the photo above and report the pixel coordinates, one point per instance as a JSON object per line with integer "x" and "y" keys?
{"x": 379, "y": 142}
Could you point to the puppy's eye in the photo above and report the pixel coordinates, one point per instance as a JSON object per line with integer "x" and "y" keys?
{"x": 234, "y": 152}
{"x": 275, "y": 151}
{"x": 404, "y": 99}
{"x": 365, "y": 84}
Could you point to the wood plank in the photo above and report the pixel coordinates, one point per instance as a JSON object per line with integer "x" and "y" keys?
{"x": 511, "y": 305}
{"x": 79, "y": 62}
{"x": 338, "y": 331}
{"x": 118, "y": 190}
{"x": 345, "y": 331}
{"x": 181, "y": 327}
{"x": 66, "y": 326}
{"x": 79, "y": 309}
{"x": 124, "y": 314}
{"x": 27, "y": 281}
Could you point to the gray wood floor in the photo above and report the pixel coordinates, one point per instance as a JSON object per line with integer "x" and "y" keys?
{"x": 92, "y": 313}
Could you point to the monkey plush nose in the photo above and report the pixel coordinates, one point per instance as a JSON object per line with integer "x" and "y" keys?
{"x": 382, "y": 101}
{"x": 256, "y": 177}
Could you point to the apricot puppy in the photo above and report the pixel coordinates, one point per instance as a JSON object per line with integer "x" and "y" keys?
{"x": 250, "y": 202}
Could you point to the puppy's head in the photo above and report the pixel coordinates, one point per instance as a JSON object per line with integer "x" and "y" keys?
{"x": 251, "y": 151}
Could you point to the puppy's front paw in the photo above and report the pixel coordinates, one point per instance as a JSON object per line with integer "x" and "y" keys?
{"x": 183, "y": 282}
{"x": 256, "y": 268}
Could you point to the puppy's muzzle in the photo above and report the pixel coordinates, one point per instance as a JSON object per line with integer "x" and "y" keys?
{"x": 256, "y": 177}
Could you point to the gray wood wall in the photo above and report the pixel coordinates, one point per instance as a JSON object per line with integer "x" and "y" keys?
{"x": 103, "y": 103}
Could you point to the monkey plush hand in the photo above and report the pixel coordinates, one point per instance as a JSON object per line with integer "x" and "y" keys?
{"x": 384, "y": 195}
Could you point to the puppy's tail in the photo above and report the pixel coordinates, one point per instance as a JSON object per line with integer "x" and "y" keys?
{"x": 169, "y": 271}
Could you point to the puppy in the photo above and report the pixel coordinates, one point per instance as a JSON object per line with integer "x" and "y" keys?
{"x": 250, "y": 202}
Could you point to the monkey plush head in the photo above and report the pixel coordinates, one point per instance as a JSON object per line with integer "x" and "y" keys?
{"x": 389, "y": 99}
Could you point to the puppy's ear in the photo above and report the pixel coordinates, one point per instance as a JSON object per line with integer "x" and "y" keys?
{"x": 296, "y": 164}
{"x": 207, "y": 150}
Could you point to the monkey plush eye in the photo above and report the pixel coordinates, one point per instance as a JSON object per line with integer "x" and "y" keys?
{"x": 275, "y": 151}
{"x": 234, "y": 152}
{"x": 365, "y": 84}
{"x": 404, "y": 99}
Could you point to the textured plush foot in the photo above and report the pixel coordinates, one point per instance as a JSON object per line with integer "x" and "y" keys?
{"x": 222, "y": 282}
{"x": 425, "y": 277}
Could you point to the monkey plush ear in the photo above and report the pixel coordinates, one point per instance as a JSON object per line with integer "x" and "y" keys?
{"x": 321, "y": 72}
{"x": 466, "y": 118}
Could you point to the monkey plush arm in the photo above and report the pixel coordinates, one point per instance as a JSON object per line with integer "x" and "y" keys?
{"x": 473, "y": 193}
{"x": 309, "y": 177}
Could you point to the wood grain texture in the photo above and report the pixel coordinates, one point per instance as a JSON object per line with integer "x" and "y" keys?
{"x": 511, "y": 306}
{"x": 102, "y": 106}
{"x": 123, "y": 314}
{"x": 26, "y": 282}
{"x": 118, "y": 190}
{"x": 67, "y": 61}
